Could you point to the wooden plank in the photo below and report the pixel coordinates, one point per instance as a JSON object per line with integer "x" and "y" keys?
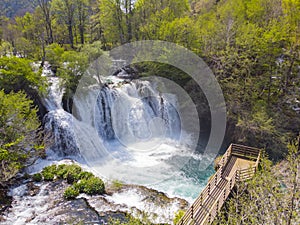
{"x": 213, "y": 196}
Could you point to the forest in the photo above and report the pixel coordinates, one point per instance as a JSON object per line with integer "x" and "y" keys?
{"x": 252, "y": 47}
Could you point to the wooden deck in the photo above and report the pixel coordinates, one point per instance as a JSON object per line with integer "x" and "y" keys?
{"x": 239, "y": 163}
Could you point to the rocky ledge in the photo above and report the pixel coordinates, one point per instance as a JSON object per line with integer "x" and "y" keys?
{"x": 43, "y": 203}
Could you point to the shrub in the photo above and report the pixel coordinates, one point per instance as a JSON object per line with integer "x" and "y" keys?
{"x": 49, "y": 172}
{"x": 48, "y": 176}
{"x": 61, "y": 171}
{"x": 117, "y": 184}
{"x": 71, "y": 193}
{"x": 94, "y": 185}
{"x": 80, "y": 185}
{"x": 72, "y": 173}
{"x": 37, "y": 177}
{"x": 20, "y": 139}
{"x": 179, "y": 214}
{"x": 85, "y": 175}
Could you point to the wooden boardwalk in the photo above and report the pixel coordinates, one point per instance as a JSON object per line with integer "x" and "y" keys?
{"x": 239, "y": 163}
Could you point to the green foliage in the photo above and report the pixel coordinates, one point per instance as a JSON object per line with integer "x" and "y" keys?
{"x": 130, "y": 220}
{"x": 92, "y": 51}
{"x": 263, "y": 200}
{"x": 83, "y": 181}
{"x": 72, "y": 174}
{"x": 178, "y": 216}
{"x": 17, "y": 74}
{"x": 73, "y": 66}
{"x": 85, "y": 175}
{"x": 5, "y": 48}
{"x": 93, "y": 186}
{"x": 48, "y": 176}
{"x": 80, "y": 185}
{"x": 49, "y": 172}
{"x": 71, "y": 193}
{"x": 117, "y": 184}
{"x": 53, "y": 55}
{"x": 19, "y": 138}
{"x": 62, "y": 169}
{"x": 37, "y": 177}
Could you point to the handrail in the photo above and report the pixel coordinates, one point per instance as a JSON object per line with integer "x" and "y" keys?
{"x": 221, "y": 199}
{"x": 202, "y": 197}
{"x": 225, "y": 157}
{"x": 211, "y": 199}
{"x": 245, "y": 151}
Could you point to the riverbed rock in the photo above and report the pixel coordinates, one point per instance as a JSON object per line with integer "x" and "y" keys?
{"x": 43, "y": 203}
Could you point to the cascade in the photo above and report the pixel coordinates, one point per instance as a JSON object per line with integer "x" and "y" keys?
{"x": 125, "y": 129}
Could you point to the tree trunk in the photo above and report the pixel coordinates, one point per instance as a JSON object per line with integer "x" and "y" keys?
{"x": 70, "y": 30}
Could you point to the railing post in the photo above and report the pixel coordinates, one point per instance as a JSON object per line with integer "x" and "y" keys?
{"x": 192, "y": 214}
{"x": 208, "y": 189}
{"x": 201, "y": 199}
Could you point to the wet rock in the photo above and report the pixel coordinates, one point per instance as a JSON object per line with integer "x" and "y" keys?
{"x": 43, "y": 203}
{"x": 32, "y": 189}
{"x": 127, "y": 72}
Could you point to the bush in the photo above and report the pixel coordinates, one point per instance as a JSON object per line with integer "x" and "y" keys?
{"x": 72, "y": 173}
{"x": 85, "y": 175}
{"x": 179, "y": 214}
{"x": 94, "y": 185}
{"x": 71, "y": 193}
{"x": 61, "y": 171}
{"x": 117, "y": 184}
{"x": 80, "y": 185}
{"x": 49, "y": 172}
{"x": 83, "y": 181}
{"x": 68, "y": 172}
{"x": 37, "y": 177}
{"x": 20, "y": 139}
{"x": 53, "y": 55}
{"x": 48, "y": 176}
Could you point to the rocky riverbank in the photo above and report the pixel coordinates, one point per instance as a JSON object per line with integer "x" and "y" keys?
{"x": 43, "y": 203}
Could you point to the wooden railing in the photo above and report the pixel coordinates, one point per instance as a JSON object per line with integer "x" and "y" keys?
{"x": 220, "y": 200}
{"x": 225, "y": 157}
{"x": 244, "y": 151}
{"x": 211, "y": 199}
{"x": 190, "y": 213}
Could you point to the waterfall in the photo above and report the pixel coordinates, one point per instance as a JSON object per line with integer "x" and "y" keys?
{"x": 53, "y": 99}
{"x": 126, "y": 113}
{"x": 126, "y": 129}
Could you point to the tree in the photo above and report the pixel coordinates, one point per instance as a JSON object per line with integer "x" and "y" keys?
{"x": 82, "y": 14}
{"x": 128, "y": 5}
{"x": 19, "y": 137}
{"x": 45, "y": 7}
{"x": 293, "y": 179}
{"x": 65, "y": 11}
{"x": 16, "y": 74}
{"x": 150, "y": 16}
{"x": 112, "y": 22}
